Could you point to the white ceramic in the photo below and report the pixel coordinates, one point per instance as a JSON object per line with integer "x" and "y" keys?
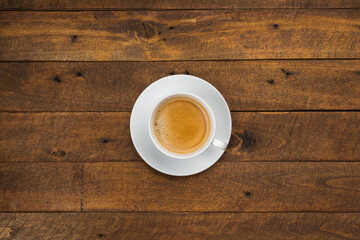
{"x": 149, "y": 99}
{"x": 210, "y": 140}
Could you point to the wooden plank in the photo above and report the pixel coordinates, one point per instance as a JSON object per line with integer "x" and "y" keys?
{"x": 178, "y": 4}
{"x": 227, "y": 186}
{"x": 95, "y": 225}
{"x": 114, "y": 86}
{"x": 179, "y": 35}
{"x": 40, "y": 187}
{"x": 295, "y": 136}
{"x": 66, "y": 137}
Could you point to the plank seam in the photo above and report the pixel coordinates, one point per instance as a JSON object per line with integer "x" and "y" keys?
{"x": 190, "y": 60}
{"x": 210, "y": 212}
{"x": 165, "y": 10}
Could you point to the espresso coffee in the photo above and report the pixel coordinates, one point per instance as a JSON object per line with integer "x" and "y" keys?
{"x": 181, "y": 124}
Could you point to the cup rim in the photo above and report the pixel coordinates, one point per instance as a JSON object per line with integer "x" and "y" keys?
{"x": 179, "y": 155}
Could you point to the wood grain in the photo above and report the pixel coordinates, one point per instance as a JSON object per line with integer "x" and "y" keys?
{"x": 315, "y": 136}
{"x": 76, "y": 137}
{"x": 66, "y": 137}
{"x": 180, "y": 226}
{"x": 179, "y": 35}
{"x": 178, "y": 4}
{"x": 40, "y": 187}
{"x": 227, "y": 186}
{"x": 114, "y": 86}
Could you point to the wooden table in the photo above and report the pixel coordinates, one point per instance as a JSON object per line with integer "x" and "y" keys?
{"x": 71, "y": 71}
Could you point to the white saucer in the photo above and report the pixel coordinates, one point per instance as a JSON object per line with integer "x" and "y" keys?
{"x": 141, "y": 113}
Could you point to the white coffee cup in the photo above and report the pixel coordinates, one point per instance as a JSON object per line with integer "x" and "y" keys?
{"x": 210, "y": 140}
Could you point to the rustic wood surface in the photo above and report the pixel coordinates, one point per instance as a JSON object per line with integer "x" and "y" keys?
{"x": 173, "y": 4}
{"x": 256, "y": 136}
{"x": 40, "y": 186}
{"x": 185, "y": 225}
{"x": 230, "y": 186}
{"x": 179, "y": 35}
{"x": 244, "y": 187}
{"x": 71, "y": 70}
{"x": 246, "y": 85}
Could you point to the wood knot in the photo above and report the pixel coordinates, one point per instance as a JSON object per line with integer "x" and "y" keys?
{"x": 271, "y": 81}
{"x": 287, "y": 73}
{"x": 74, "y": 38}
{"x": 247, "y": 194}
{"x": 5, "y": 232}
{"x": 61, "y": 154}
{"x": 247, "y": 140}
{"x": 57, "y": 79}
{"x": 146, "y": 30}
{"x": 242, "y": 140}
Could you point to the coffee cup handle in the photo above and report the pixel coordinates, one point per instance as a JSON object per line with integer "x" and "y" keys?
{"x": 219, "y": 144}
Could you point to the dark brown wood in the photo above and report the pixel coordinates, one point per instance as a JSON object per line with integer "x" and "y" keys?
{"x": 263, "y": 136}
{"x": 177, "y": 4}
{"x": 40, "y": 187}
{"x": 66, "y": 137}
{"x": 318, "y": 136}
{"x": 34, "y": 226}
{"x": 179, "y": 35}
{"x": 114, "y": 86}
{"x": 65, "y": 145}
{"x": 244, "y": 187}
{"x": 227, "y": 186}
